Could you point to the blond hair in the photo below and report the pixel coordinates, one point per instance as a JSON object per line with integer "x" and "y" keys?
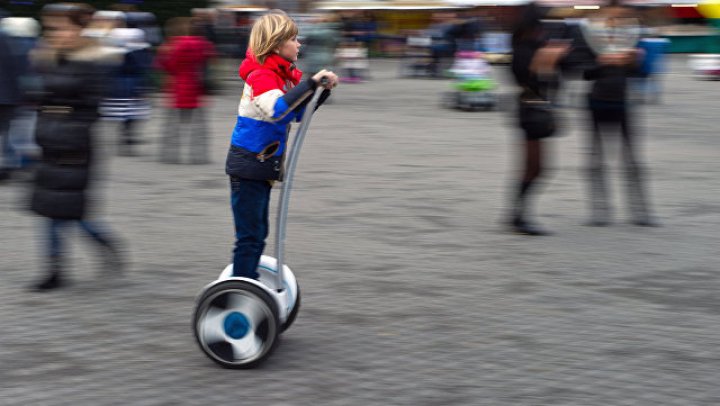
{"x": 269, "y": 32}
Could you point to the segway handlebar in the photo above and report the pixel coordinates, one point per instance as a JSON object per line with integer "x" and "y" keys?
{"x": 291, "y": 164}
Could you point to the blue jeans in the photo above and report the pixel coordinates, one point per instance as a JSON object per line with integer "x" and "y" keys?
{"x": 55, "y": 241}
{"x": 250, "y": 201}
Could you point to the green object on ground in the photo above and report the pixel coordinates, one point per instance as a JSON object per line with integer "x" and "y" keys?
{"x": 475, "y": 85}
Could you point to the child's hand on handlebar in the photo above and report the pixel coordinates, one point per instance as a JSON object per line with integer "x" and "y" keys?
{"x": 331, "y": 79}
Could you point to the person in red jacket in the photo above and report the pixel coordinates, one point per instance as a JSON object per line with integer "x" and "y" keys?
{"x": 273, "y": 97}
{"x": 184, "y": 58}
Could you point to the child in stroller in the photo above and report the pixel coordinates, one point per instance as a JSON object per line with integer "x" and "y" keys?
{"x": 473, "y": 84}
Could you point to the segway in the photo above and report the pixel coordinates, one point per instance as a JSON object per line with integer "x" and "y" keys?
{"x": 237, "y": 320}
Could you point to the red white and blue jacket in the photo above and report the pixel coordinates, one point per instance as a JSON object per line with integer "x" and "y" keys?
{"x": 273, "y": 96}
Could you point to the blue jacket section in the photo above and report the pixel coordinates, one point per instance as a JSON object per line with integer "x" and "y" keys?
{"x": 254, "y": 135}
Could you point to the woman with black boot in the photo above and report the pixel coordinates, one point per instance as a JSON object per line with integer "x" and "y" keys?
{"x": 534, "y": 67}
{"x": 71, "y": 71}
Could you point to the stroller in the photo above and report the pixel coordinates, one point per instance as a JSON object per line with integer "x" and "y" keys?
{"x": 473, "y": 84}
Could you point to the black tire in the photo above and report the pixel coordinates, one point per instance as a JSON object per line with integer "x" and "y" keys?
{"x": 293, "y": 313}
{"x": 266, "y": 330}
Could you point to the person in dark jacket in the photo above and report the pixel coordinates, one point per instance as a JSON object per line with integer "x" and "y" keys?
{"x": 609, "y": 109}
{"x": 72, "y": 75}
{"x": 9, "y": 98}
{"x": 320, "y": 43}
{"x": 22, "y": 34}
{"x": 443, "y": 32}
{"x": 534, "y": 66}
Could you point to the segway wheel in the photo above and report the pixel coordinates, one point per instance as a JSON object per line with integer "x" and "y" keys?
{"x": 236, "y": 324}
{"x": 293, "y": 313}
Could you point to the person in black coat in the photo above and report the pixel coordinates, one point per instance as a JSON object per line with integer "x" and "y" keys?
{"x": 9, "y": 98}
{"x": 71, "y": 72}
{"x": 534, "y": 67}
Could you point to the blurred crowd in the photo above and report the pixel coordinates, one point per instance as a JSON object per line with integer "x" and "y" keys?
{"x": 140, "y": 59}
{"x": 131, "y": 51}
{"x": 76, "y": 65}
{"x": 608, "y": 48}
{"x": 84, "y": 66}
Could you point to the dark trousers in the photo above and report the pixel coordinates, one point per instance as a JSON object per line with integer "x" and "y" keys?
{"x": 614, "y": 118}
{"x": 54, "y": 231}
{"x": 128, "y": 132}
{"x": 7, "y": 112}
{"x": 250, "y": 201}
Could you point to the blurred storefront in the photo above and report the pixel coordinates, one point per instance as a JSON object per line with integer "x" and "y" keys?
{"x": 691, "y": 26}
{"x": 687, "y": 24}
{"x": 396, "y": 20}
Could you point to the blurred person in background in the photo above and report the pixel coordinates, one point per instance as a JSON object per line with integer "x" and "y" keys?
{"x": 231, "y": 33}
{"x": 72, "y": 70}
{"x": 204, "y": 25}
{"x": 273, "y": 97}
{"x": 361, "y": 27}
{"x": 352, "y": 59}
{"x": 535, "y": 69}
{"x": 102, "y": 23}
{"x": 204, "y": 21}
{"x": 443, "y": 30}
{"x": 185, "y": 58}
{"x": 22, "y": 34}
{"x": 10, "y": 72}
{"x": 610, "y": 110}
{"x": 148, "y": 23}
{"x": 319, "y": 44}
{"x": 368, "y": 32}
{"x": 469, "y": 32}
{"x": 127, "y": 97}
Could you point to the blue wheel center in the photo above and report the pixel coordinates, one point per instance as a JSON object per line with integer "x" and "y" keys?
{"x": 236, "y": 325}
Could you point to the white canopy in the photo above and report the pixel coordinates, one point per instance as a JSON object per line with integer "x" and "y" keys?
{"x": 477, "y": 3}
{"x": 384, "y": 5}
{"x": 439, "y": 4}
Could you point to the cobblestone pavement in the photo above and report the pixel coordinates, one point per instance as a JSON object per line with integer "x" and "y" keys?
{"x": 414, "y": 294}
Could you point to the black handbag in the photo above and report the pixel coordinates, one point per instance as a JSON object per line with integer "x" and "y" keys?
{"x": 536, "y": 114}
{"x": 537, "y": 118}
{"x": 263, "y": 165}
